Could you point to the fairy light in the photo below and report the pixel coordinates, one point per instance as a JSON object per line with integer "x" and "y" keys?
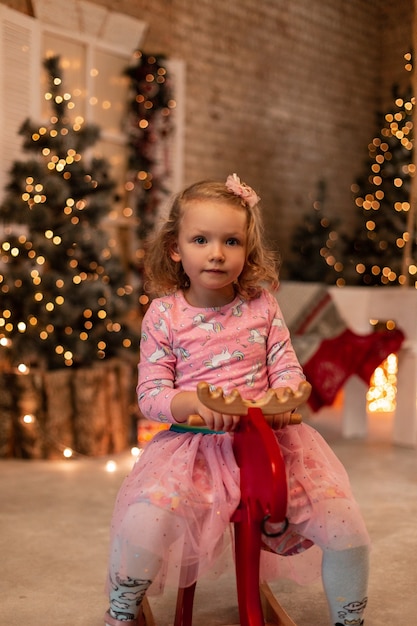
{"x": 111, "y": 466}
{"x": 135, "y": 452}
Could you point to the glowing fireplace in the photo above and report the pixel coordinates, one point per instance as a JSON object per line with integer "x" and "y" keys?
{"x": 381, "y": 396}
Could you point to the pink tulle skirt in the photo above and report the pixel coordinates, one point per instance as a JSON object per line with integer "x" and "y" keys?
{"x": 171, "y": 522}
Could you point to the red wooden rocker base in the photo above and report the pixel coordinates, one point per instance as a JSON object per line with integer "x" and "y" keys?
{"x": 262, "y": 468}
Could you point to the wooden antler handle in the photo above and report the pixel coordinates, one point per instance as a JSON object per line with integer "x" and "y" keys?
{"x": 274, "y": 404}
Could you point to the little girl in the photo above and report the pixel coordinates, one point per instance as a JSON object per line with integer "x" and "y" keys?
{"x": 216, "y": 322}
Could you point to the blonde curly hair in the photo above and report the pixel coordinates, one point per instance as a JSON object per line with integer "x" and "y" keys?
{"x": 165, "y": 275}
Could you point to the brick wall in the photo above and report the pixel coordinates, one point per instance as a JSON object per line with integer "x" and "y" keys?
{"x": 284, "y": 92}
{"x": 396, "y": 39}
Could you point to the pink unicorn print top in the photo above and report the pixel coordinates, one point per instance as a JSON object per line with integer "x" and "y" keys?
{"x": 244, "y": 345}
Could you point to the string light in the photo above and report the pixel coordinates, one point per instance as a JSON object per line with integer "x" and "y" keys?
{"x": 135, "y": 451}
{"x": 111, "y": 466}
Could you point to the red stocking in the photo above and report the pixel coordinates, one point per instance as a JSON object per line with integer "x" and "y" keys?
{"x": 384, "y": 343}
{"x": 339, "y": 357}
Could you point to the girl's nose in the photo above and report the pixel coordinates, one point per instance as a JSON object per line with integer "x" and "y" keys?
{"x": 216, "y": 253}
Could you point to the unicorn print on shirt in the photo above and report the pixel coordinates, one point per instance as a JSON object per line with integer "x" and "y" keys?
{"x": 251, "y": 376}
{"x": 200, "y": 321}
{"x": 256, "y": 336}
{"x": 216, "y": 360}
{"x": 157, "y": 355}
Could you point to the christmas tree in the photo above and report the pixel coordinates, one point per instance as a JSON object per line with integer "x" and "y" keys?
{"x": 385, "y": 232}
{"x": 148, "y": 127}
{"x": 313, "y": 244}
{"x": 64, "y": 301}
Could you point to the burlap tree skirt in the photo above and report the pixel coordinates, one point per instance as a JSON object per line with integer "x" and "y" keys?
{"x": 89, "y": 410}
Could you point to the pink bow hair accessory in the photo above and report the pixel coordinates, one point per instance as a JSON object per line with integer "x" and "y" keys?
{"x": 248, "y": 195}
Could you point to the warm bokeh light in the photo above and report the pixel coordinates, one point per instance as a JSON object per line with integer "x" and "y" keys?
{"x": 111, "y": 466}
{"x": 381, "y": 396}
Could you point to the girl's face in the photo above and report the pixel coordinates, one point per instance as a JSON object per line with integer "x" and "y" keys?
{"x": 211, "y": 246}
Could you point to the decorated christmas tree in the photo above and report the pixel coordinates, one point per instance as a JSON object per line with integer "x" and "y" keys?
{"x": 148, "y": 127}
{"x": 64, "y": 300}
{"x": 382, "y": 247}
{"x": 312, "y": 244}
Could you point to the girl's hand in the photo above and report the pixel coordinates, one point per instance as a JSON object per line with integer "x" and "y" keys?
{"x": 217, "y": 421}
{"x": 280, "y": 420}
{"x": 187, "y": 403}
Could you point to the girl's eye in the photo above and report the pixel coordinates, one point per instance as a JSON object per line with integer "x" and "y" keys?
{"x": 232, "y": 241}
{"x": 200, "y": 240}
